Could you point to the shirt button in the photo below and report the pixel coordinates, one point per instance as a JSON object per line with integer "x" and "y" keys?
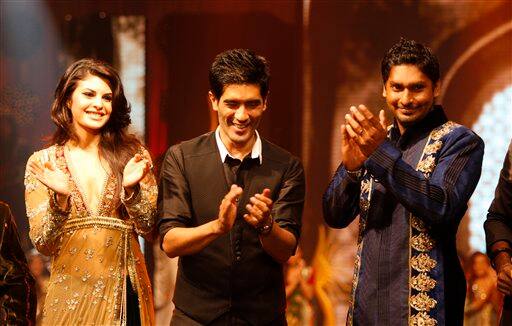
{"x": 238, "y": 258}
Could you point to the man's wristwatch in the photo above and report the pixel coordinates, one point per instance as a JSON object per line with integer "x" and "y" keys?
{"x": 265, "y": 229}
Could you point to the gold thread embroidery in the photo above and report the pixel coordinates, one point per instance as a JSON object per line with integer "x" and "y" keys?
{"x": 422, "y": 242}
{"x": 418, "y": 224}
{"x": 422, "y": 319}
{"x": 364, "y": 204}
{"x": 422, "y": 302}
{"x": 433, "y": 148}
{"x": 443, "y": 130}
{"x": 423, "y": 263}
{"x": 427, "y": 164}
{"x": 423, "y": 282}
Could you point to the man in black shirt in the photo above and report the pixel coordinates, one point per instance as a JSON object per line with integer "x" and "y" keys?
{"x": 498, "y": 233}
{"x": 230, "y": 206}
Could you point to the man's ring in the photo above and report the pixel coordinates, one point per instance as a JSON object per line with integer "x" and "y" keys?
{"x": 361, "y": 132}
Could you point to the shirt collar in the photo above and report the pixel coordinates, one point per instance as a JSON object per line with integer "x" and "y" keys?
{"x": 433, "y": 119}
{"x": 255, "y": 153}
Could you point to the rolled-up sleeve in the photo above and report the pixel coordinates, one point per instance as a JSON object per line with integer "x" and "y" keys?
{"x": 174, "y": 193}
{"x": 288, "y": 207}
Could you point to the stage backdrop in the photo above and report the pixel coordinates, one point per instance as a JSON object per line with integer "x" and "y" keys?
{"x": 324, "y": 56}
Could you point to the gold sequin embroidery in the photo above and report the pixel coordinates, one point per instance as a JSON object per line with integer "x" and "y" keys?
{"x": 422, "y": 302}
{"x": 418, "y": 224}
{"x": 423, "y": 282}
{"x": 422, "y": 319}
{"x": 422, "y": 242}
{"x": 423, "y": 263}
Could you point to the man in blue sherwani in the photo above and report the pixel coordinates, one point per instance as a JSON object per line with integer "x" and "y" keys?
{"x": 410, "y": 185}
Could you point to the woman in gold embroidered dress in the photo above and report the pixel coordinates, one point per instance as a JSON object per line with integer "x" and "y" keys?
{"x": 88, "y": 196}
{"x": 482, "y": 297}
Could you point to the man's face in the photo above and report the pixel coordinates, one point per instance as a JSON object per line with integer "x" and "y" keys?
{"x": 239, "y": 109}
{"x": 409, "y": 94}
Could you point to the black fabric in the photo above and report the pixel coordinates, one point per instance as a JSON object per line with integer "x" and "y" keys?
{"x": 17, "y": 286}
{"x": 179, "y": 318}
{"x": 498, "y": 225}
{"x": 132, "y": 305}
{"x": 233, "y": 273}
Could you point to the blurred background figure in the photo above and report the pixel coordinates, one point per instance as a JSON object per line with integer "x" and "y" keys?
{"x": 482, "y": 298}
{"x": 299, "y": 288}
{"x": 17, "y": 294}
{"x": 37, "y": 265}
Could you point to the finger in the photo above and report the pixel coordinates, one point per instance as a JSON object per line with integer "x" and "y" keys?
{"x": 261, "y": 205}
{"x": 233, "y": 194}
{"x": 264, "y": 197}
{"x": 365, "y": 112}
{"x": 254, "y": 210}
{"x": 504, "y": 288}
{"x": 343, "y": 132}
{"x": 350, "y": 120}
{"x": 137, "y": 157}
{"x": 266, "y": 192}
{"x": 351, "y": 132}
{"x": 353, "y": 123}
{"x": 382, "y": 120}
{"x": 251, "y": 220}
{"x": 36, "y": 173}
{"x": 506, "y": 275}
{"x": 360, "y": 117}
{"x": 504, "y": 280}
{"x": 372, "y": 120}
{"x": 35, "y": 168}
{"x": 48, "y": 165}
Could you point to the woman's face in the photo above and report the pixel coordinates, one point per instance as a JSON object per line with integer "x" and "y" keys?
{"x": 90, "y": 104}
{"x": 480, "y": 265}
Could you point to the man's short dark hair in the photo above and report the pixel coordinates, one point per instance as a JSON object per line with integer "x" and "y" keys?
{"x": 409, "y": 52}
{"x": 239, "y": 66}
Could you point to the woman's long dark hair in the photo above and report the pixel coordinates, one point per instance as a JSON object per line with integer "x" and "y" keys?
{"x": 116, "y": 145}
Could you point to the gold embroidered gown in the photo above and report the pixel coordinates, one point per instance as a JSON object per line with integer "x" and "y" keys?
{"x": 93, "y": 252}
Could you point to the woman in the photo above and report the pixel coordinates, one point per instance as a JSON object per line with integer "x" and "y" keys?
{"x": 482, "y": 296}
{"x": 88, "y": 196}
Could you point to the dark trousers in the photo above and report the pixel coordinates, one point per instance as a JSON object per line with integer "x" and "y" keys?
{"x": 179, "y": 318}
{"x": 132, "y": 305}
{"x": 506, "y": 314}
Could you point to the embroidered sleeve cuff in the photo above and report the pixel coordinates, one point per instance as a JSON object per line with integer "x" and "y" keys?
{"x": 133, "y": 198}
{"x": 382, "y": 160}
{"x": 55, "y": 209}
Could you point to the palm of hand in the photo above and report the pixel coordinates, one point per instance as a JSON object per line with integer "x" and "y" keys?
{"x": 134, "y": 172}
{"x": 50, "y": 176}
{"x": 351, "y": 155}
{"x": 56, "y": 180}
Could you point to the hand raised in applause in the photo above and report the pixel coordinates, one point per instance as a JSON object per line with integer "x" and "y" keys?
{"x": 228, "y": 209}
{"x": 259, "y": 209}
{"x": 135, "y": 170}
{"x": 365, "y": 130}
{"x": 50, "y": 176}
{"x": 351, "y": 155}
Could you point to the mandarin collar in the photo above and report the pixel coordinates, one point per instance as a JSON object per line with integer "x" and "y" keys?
{"x": 433, "y": 119}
